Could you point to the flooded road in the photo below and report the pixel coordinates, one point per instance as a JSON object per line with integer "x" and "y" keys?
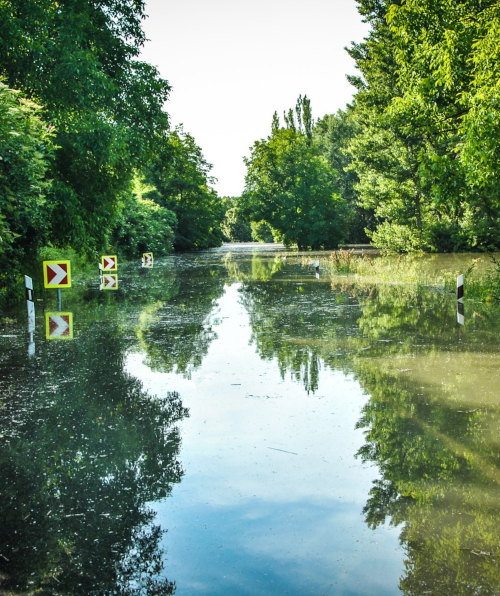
{"x": 231, "y": 423}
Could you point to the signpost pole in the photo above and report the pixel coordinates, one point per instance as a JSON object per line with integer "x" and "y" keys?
{"x": 59, "y": 299}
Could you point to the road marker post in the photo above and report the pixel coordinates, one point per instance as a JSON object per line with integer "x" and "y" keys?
{"x": 30, "y": 304}
{"x": 460, "y": 300}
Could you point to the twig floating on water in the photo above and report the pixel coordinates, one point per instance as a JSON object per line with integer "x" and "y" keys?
{"x": 283, "y": 450}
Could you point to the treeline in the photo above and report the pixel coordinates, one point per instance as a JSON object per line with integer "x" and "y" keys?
{"x": 87, "y": 158}
{"x": 412, "y": 163}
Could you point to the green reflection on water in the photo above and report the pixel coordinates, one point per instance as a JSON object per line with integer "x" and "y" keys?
{"x": 432, "y": 420}
{"x": 84, "y": 448}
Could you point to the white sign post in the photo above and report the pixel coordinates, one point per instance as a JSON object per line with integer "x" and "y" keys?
{"x": 30, "y": 303}
{"x": 460, "y": 300}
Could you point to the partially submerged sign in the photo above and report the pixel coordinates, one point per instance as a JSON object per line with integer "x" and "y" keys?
{"x": 109, "y": 263}
{"x": 147, "y": 259}
{"x": 30, "y": 303}
{"x": 109, "y": 281}
{"x": 57, "y": 274}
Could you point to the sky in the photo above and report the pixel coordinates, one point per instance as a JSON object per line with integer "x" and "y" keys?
{"x": 233, "y": 63}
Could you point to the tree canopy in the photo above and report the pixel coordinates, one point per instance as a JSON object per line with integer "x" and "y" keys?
{"x": 426, "y": 108}
{"x": 82, "y": 119}
{"x": 290, "y": 185}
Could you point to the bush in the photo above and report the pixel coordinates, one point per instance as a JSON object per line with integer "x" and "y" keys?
{"x": 398, "y": 238}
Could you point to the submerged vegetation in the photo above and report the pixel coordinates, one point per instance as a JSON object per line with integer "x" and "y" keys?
{"x": 482, "y": 273}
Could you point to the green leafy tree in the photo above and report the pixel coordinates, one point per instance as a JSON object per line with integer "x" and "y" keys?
{"x": 333, "y": 134}
{"x": 26, "y": 151}
{"x": 181, "y": 176}
{"x": 290, "y": 185}
{"x": 143, "y": 225}
{"x": 427, "y": 73}
{"x": 235, "y": 226}
{"x": 447, "y": 54}
{"x": 262, "y": 231}
{"x": 79, "y": 60}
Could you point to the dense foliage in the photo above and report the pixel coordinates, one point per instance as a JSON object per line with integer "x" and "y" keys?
{"x": 427, "y": 116}
{"x": 181, "y": 176}
{"x": 290, "y": 185}
{"x": 411, "y": 165}
{"x": 24, "y": 152}
{"x": 70, "y": 161}
{"x": 414, "y": 159}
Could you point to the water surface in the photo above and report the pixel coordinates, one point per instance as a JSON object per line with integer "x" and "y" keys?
{"x": 231, "y": 423}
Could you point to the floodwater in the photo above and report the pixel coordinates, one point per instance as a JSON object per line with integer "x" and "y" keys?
{"x": 230, "y": 422}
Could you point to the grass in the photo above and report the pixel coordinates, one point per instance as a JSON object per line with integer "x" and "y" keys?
{"x": 439, "y": 272}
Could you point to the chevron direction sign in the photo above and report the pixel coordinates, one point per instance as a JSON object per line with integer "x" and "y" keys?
{"x": 147, "y": 259}
{"x": 109, "y": 263}
{"x": 109, "y": 281}
{"x": 57, "y": 274}
{"x": 59, "y": 325}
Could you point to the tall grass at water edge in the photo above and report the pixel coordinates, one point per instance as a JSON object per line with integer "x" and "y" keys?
{"x": 437, "y": 272}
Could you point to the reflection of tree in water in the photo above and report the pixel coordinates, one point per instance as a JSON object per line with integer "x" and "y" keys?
{"x": 433, "y": 434}
{"x": 415, "y": 317}
{"x": 177, "y": 335}
{"x": 301, "y": 325}
{"x": 83, "y": 449}
{"x": 441, "y": 478}
{"x": 430, "y": 427}
{"x": 256, "y": 267}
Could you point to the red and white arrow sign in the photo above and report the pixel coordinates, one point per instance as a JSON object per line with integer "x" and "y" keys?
{"x": 57, "y": 274}
{"x": 109, "y": 263}
{"x": 110, "y": 282}
{"x": 59, "y": 326}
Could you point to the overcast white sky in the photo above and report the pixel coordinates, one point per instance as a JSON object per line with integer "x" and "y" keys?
{"x": 232, "y": 63}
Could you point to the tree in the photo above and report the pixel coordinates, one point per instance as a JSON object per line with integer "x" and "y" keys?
{"x": 235, "y": 227}
{"x": 26, "y": 151}
{"x": 79, "y": 61}
{"x": 290, "y": 185}
{"x": 447, "y": 55}
{"x": 333, "y": 133}
{"x": 143, "y": 225}
{"x": 417, "y": 108}
{"x": 181, "y": 176}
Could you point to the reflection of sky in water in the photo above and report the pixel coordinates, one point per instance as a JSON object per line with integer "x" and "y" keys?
{"x": 272, "y": 497}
